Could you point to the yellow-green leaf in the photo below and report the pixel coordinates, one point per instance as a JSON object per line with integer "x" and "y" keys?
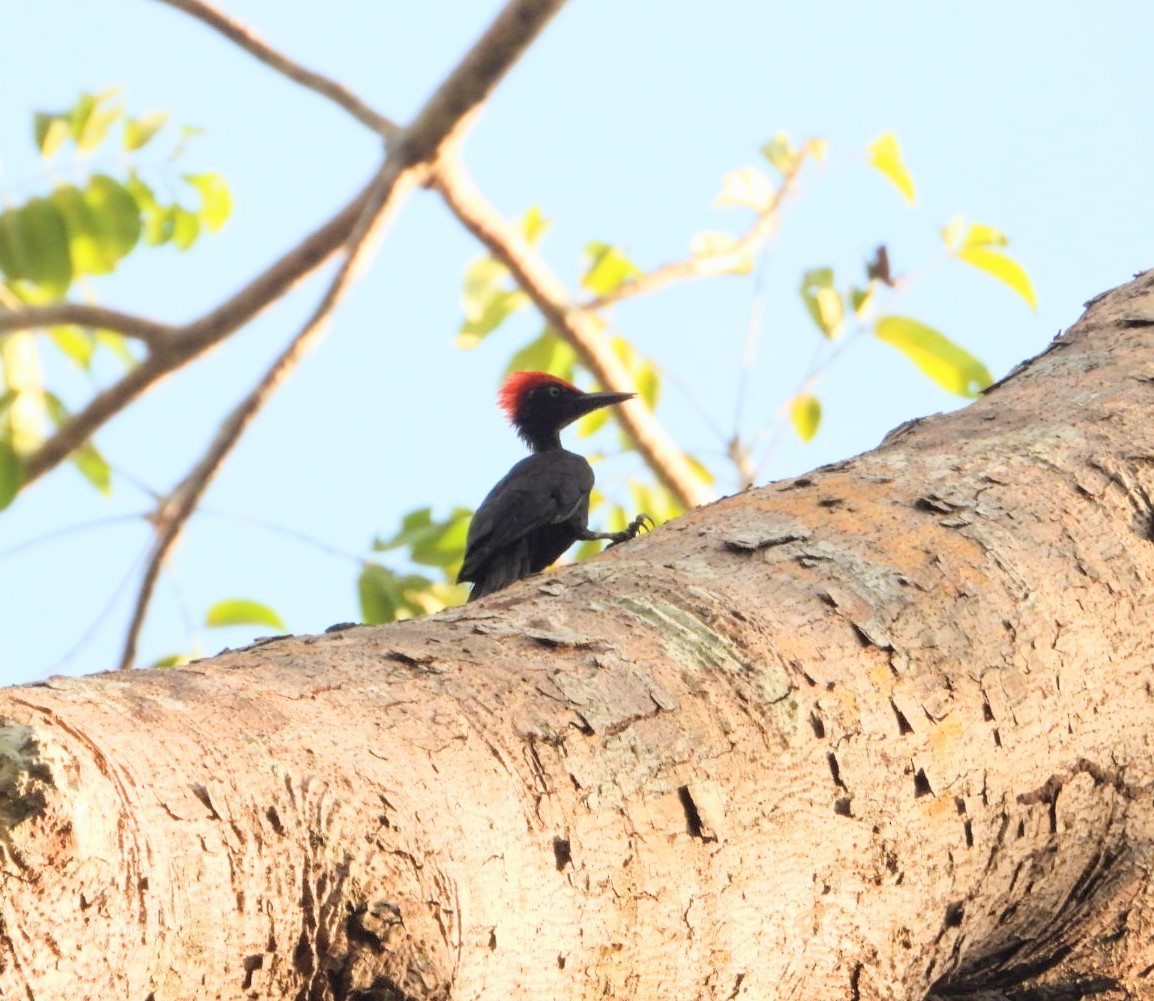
{"x": 242, "y": 612}
{"x": 185, "y": 227}
{"x": 138, "y": 131}
{"x": 51, "y": 131}
{"x": 548, "y": 353}
{"x": 171, "y": 660}
{"x": 981, "y": 235}
{"x": 952, "y": 233}
{"x": 823, "y": 301}
{"x": 748, "y": 187}
{"x": 712, "y": 244}
{"x": 96, "y": 127}
{"x": 779, "y": 151}
{"x": 215, "y": 200}
{"x": 533, "y": 225}
{"x": 885, "y": 154}
{"x": 76, "y": 342}
{"x": 608, "y": 269}
{"x": 1002, "y": 267}
{"x": 950, "y": 366}
{"x": 805, "y": 413}
{"x": 93, "y": 467}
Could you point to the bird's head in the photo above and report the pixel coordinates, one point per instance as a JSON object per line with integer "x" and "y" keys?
{"x": 539, "y": 405}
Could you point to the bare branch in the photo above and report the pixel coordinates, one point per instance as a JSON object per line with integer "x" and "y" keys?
{"x": 157, "y": 336}
{"x": 389, "y": 189}
{"x": 323, "y": 85}
{"x": 195, "y": 338}
{"x": 443, "y": 117}
{"x": 706, "y": 265}
{"x": 579, "y": 327}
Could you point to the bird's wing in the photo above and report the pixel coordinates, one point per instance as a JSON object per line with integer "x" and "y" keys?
{"x": 546, "y": 488}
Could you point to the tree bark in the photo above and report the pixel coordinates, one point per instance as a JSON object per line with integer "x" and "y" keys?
{"x": 879, "y": 731}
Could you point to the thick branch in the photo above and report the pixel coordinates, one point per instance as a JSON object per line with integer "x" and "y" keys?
{"x": 881, "y": 731}
{"x": 157, "y": 336}
{"x": 580, "y": 328}
{"x": 323, "y": 85}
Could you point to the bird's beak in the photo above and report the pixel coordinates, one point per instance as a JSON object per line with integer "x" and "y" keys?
{"x": 588, "y": 402}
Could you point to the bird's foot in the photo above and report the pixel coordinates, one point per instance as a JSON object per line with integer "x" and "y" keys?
{"x": 632, "y": 530}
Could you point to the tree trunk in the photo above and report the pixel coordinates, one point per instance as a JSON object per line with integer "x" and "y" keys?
{"x": 874, "y": 732}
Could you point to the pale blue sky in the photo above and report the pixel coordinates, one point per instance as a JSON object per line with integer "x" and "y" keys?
{"x": 1030, "y": 116}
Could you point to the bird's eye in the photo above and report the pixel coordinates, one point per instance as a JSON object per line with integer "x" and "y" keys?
{"x": 554, "y": 391}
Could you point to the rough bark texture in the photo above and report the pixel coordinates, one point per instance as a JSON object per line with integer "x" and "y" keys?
{"x": 874, "y": 732}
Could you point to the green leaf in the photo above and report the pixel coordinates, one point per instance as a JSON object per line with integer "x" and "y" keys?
{"x": 780, "y": 153}
{"x": 823, "y": 301}
{"x": 215, "y": 199}
{"x": 1002, "y": 267}
{"x": 548, "y": 353}
{"x": 430, "y": 542}
{"x": 748, "y": 187}
{"x": 386, "y": 596}
{"x": 46, "y": 244}
{"x": 115, "y": 214}
{"x": 608, "y": 269}
{"x": 90, "y": 253}
{"x": 75, "y": 342}
{"x": 138, "y": 131}
{"x": 14, "y": 260}
{"x": 242, "y": 612}
{"x": 886, "y": 156}
{"x": 950, "y": 366}
{"x": 51, "y": 131}
{"x": 805, "y": 413}
{"x": 379, "y": 593}
{"x": 171, "y": 660}
{"x": 11, "y": 473}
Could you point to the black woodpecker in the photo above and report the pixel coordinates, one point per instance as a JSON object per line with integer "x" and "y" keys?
{"x": 541, "y": 506}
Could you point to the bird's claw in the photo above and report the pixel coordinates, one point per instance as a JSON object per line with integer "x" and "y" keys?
{"x": 633, "y": 529}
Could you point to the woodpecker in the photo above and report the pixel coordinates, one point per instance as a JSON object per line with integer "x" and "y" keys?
{"x": 541, "y": 506}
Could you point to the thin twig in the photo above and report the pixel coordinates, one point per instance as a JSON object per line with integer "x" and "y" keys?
{"x": 157, "y": 336}
{"x": 443, "y": 118}
{"x": 579, "y": 327}
{"x": 247, "y": 39}
{"x": 726, "y": 262}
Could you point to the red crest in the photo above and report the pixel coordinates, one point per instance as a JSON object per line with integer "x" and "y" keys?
{"x": 517, "y": 384}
